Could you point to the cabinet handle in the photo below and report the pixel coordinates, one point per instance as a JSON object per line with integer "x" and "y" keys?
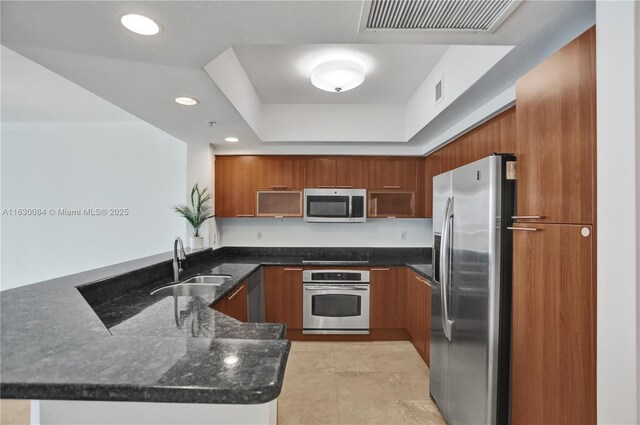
{"x": 244, "y": 215}
{"x": 391, "y": 216}
{"x": 287, "y": 269}
{"x": 344, "y": 187}
{"x": 236, "y": 293}
{"x": 380, "y": 269}
{"x": 423, "y": 281}
{"x": 527, "y": 217}
{"x": 278, "y": 216}
{"x": 391, "y": 187}
{"x": 278, "y": 186}
{"x": 527, "y": 229}
{"x": 326, "y": 187}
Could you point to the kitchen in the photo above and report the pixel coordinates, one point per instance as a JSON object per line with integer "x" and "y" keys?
{"x": 430, "y": 256}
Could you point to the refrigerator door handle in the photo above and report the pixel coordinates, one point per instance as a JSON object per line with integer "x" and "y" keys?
{"x": 445, "y": 262}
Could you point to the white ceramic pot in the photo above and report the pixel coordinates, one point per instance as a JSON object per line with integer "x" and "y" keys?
{"x": 196, "y": 242}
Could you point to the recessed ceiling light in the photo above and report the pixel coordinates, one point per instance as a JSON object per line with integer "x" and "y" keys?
{"x": 186, "y": 101}
{"x": 231, "y": 139}
{"x": 337, "y": 75}
{"x": 140, "y": 24}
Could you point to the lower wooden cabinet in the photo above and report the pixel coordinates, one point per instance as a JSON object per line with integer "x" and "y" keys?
{"x": 235, "y": 303}
{"x": 553, "y": 337}
{"x": 283, "y": 296}
{"x": 419, "y": 312}
{"x": 383, "y": 312}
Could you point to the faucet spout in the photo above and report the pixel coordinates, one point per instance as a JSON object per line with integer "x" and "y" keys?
{"x": 178, "y": 257}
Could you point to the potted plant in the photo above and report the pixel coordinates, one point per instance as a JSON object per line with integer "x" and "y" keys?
{"x": 197, "y": 214}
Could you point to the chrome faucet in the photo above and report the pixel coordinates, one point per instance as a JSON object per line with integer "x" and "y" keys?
{"x": 177, "y": 258}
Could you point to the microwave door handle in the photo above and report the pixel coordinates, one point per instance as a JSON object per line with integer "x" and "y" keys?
{"x": 350, "y": 206}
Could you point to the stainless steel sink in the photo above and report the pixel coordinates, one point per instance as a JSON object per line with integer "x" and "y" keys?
{"x": 209, "y": 278}
{"x": 192, "y": 287}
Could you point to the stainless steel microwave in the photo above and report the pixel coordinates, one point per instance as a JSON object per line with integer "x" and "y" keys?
{"x": 335, "y": 205}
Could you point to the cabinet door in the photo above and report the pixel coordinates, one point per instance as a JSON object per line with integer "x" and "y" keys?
{"x": 279, "y": 203}
{"x": 383, "y": 312}
{"x": 392, "y": 173}
{"x": 391, "y": 204}
{"x": 283, "y": 296}
{"x": 556, "y": 135}
{"x": 235, "y": 186}
{"x": 320, "y": 172}
{"x": 235, "y": 304}
{"x": 553, "y": 336}
{"x": 280, "y": 172}
{"x": 352, "y": 172}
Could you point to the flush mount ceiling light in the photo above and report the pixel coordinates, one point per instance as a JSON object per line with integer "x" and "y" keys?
{"x": 337, "y": 75}
{"x": 186, "y": 101}
{"x": 140, "y": 24}
{"x": 231, "y": 139}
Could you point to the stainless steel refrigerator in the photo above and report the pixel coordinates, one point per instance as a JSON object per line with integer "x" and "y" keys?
{"x": 471, "y": 292}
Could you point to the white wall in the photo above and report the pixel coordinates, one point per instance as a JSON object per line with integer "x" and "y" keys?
{"x": 200, "y": 170}
{"x": 63, "y": 147}
{"x": 298, "y": 233}
{"x": 618, "y": 167}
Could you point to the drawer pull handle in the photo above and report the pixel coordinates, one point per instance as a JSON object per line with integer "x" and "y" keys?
{"x": 526, "y": 229}
{"x": 391, "y": 187}
{"x": 344, "y": 187}
{"x": 235, "y": 293}
{"x": 380, "y": 269}
{"x": 244, "y": 215}
{"x": 326, "y": 187}
{"x": 527, "y": 217}
{"x": 287, "y": 269}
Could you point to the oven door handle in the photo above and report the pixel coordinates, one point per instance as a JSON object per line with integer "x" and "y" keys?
{"x": 336, "y": 288}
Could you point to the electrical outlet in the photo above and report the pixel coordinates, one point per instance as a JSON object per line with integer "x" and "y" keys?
{"x": 259, "y": 236}
{"x": 403, "y": 235}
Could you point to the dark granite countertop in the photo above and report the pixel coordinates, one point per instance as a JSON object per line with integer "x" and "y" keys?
{"x": 100, "y": 335}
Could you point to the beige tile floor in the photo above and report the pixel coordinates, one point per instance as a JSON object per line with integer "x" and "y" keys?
{"x": 381, "y": 383}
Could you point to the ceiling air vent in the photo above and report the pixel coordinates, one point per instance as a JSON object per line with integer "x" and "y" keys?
{"x": 436, "y": 15}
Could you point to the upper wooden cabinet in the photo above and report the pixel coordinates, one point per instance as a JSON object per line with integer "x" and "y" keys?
{"x": 280, "y": 172}
{"x": 392, "y": 173}
{"x": 337, "y": 172}
{"x": 279, "y": 203}
{"x": 494, "y": 136}
{"x": 235, "y": 186}
{"x": 556, "y": 128}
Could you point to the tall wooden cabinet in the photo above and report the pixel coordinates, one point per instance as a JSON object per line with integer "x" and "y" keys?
{"x": 554, "y": 288}
{"x": 553, "y": 364}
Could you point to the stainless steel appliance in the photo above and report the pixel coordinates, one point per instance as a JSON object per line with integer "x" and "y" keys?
{"x": 471, "y": 292}
{"x": 335, "y": 302}
{"x": 335, "y": 205}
